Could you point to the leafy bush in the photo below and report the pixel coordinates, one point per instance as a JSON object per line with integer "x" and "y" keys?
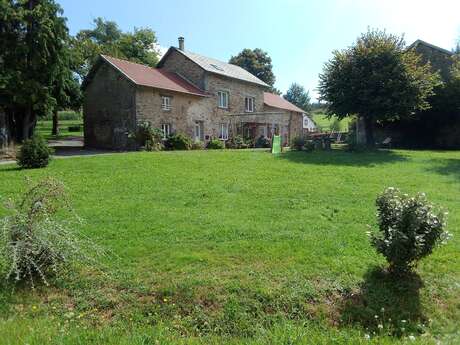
{"x": 237, "y": 142}
{"x": 34, "y": 244}
{"x": 34, "y": 153}
{"x": 297, "y": 143}
{"x": 215, "y": 144}
{"x": 410, "y": 228}
{"x": 148, "y": 137}
{"x": 197, "y": 145}
{"x": 76, "y": 128}
{"x": 263, "y": 142}
{"x": 178, "y": 142}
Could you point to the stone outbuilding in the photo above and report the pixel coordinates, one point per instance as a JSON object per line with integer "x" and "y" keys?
{"x": 201, "y": 97}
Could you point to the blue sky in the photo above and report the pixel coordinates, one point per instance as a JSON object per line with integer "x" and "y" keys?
{"x": 299, "y": 35}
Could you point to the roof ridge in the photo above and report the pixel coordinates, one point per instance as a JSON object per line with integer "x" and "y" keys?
{"x": 429, "y": 45}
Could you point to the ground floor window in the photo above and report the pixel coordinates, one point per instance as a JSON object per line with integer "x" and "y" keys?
{"x": 166, "y": 129}
{"x": 223, "y": 131}
{"x": 198, "y": 131}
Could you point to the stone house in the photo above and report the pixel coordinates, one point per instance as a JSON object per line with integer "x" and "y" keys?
{"x": 188, "y": 93}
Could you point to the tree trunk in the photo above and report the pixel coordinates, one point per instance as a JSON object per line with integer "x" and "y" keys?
{"x": 369, "y": 129}
{"x": 55, "y": 130}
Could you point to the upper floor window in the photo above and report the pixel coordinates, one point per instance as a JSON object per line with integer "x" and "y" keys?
{"x": 223, "y": 131}
{"x": 222, "y": 99}
{"x": 166, "y": 129}
{"x": 249, "y": 104}
{"x": 165, "y": 102}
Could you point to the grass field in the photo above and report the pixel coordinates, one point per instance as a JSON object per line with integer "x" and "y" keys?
{"x": 44, "y": 129}
{"x": 325, "y": 123}
{"x": 241, "y": 247}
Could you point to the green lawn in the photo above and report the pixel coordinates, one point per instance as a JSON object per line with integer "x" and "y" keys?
{"x": 44, "y": 129}
{"x": 325, "y": 123}
{"x": 241, "y": 247}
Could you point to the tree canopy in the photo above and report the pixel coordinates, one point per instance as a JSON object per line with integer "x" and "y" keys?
{"x": 376, "y": 79}
{"x": 256, "y": 62}
{"x": 107, "y": 38}
{"x": 297, "y": 95}
{"x": 34, "y": 73}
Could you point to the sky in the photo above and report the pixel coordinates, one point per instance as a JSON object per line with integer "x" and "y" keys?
{"x": 299, "y": 35}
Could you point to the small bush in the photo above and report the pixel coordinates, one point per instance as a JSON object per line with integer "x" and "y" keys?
{"x": 34, "y": 153}
{"x": 197, "y": 145}
{"x": 215, "y": 144}
{"x": 148, "y": 137}
{"x": 76, "y": 128}
{"x": 263, "y": 142}
{"x": 297, "y": 143}
{"x": 409, "y": 229}
{"x": 34, "y": 244}
{"x": 178, "y": 142}
{"x": 237, "y": 142}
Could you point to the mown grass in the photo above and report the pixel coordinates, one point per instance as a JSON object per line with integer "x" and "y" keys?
{"x": 44, "y": 129}
{"x": 241, "y": 247}
{"x": 324, "y": 123}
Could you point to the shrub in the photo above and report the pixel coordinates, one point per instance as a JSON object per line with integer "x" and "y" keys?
{"x": 34, "y": 153}
{"x": 263, "y": 142}
{"x": 409, "y": 229}
{"x": 34, "y": 244}
{"x": 298, "y": 143}
{"x": 75, "y": 128}
{"x": 215, "y": 144}
{"x": 178, "y": 142}
{"x": 237, "y": 142}
{"x": 148, "y": 137}
{"x": 197, "y": 145}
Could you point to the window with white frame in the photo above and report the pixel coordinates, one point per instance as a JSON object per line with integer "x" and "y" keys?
{"x": 249, "y": 104}
{"x": 222, "y": 97}
{"x": 165, "y": 102}
{"x": 223, "y": 131}
{"x": 166, "y": 129}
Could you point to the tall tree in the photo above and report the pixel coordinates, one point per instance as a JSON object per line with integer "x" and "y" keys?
{"x": 376, "y": 79}
{"x": 256, "y": 62}
{"x": 33, "y": 35}
{"x": 297, "y": 95}
{"x": 107, "y": 38}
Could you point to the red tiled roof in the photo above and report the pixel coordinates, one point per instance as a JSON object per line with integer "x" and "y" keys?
{"x": 279, "y": 102}
{"x": 153, "y": 77}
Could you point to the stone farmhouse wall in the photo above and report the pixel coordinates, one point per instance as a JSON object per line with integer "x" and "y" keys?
{"x": 109, "y": 110}
{"x": 178, "y": 63}
{"x": 440, "y": 61}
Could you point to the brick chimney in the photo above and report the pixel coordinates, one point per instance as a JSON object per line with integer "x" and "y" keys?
{"x": 181, "y": 43}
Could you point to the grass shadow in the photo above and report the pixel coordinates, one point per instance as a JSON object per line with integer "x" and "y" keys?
{"x": 447, "y": 167}
{"x": 344, "y": 158}
{"x": 385, "y": 304}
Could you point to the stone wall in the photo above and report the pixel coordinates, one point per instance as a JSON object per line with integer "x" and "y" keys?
{"x": 109, "y": 110}
{"x": 440, "y": 61}
{"x": 148, "y": 108}
{"x": 178, "y": 63}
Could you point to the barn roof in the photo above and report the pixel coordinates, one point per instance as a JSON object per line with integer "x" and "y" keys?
{"x": 151, "y": 77}
{"x": 216, "y": 66}
{"x": 279, "y": 102}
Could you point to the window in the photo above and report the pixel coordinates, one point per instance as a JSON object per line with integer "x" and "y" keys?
{"x": 166, "y": 129}
{"x": 223, "y": 99}
{"x": 249, "y": 104}
{"x": 223, "y": 131}
{"x": 198, "y": 131}
{"x": 165, "y": 103}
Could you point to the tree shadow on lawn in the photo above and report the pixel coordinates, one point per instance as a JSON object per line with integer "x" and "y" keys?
{"x": 447, "y": 166}
{"x": 385, "y": 304}
{"x": 344, "y": 158}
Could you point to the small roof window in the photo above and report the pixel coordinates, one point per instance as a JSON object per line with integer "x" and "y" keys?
{"x": 217, "y": 67}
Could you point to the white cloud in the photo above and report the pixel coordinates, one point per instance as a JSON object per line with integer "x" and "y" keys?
{"x": 160, "y": 49}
